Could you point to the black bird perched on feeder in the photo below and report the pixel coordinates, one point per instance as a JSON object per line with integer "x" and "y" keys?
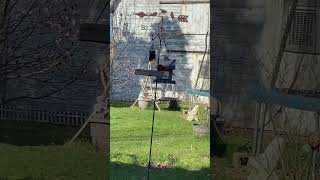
{"x": 172, "y": 16}
{"x": 163, "y": 11}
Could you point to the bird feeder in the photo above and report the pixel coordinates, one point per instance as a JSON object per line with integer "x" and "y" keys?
{"x": 166, "y": 73}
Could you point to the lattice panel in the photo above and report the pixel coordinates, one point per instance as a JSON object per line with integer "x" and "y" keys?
{"x": 302, "y": 30}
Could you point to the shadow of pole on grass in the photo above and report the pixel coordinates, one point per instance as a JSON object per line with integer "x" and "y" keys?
{"x": 135, "y": 172}
{"x": 36, "y": 134}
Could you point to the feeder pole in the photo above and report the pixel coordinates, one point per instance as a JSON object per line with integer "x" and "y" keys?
{"x": 154, "y": 103}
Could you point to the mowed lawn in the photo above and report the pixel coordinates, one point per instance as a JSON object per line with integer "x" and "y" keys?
{"x": 187, "y": 156}
{"x": 35, "y": 151}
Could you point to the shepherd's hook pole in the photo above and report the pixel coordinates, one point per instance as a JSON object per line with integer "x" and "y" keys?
{"x": 154, "y": 104}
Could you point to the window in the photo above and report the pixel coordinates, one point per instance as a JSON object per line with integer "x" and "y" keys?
{"x": 302, "y": 30}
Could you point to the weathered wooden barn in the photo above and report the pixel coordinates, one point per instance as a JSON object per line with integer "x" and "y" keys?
{"x": 187, "y": 39}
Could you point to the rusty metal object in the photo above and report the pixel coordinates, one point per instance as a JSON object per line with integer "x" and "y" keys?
{"x": 183, "y": 18}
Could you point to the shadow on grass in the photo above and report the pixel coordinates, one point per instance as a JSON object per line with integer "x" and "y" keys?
{"x": 173, "y": 109}
{"x": 134, "y": 172}
{"x": 24, "y": 178}
{"x": 36, "y": 134}
{"x": 121, "y": 104}
{"x": 163, "y": 106}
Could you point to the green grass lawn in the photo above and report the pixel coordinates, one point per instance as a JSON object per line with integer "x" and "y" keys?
{"x": 35, "y": 151}
{"x": 188, "y": 156}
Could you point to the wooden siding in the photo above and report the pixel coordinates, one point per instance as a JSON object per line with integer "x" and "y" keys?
{"x": 187, "y": 47}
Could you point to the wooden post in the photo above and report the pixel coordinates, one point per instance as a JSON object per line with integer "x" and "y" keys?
{"x": 67, "y": 116}
{"x": 261, "y": 128}
{"x": 256, "y": 130}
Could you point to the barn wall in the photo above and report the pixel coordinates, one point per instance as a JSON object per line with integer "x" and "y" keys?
{"x": 237, "y": 27}
{"x": 256, "y": 26}
{"x": 276, "y": 14}
{"x": 137, "y": 43}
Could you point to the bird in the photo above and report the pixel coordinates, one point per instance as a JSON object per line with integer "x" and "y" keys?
{"x": 153, "y": 14}
{"x": 172, "y": 16}
{"x": 163, "y": 11}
